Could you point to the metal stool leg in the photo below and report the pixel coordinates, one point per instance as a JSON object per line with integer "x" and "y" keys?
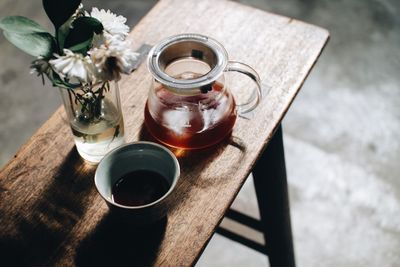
{"x": 272, "y": 196}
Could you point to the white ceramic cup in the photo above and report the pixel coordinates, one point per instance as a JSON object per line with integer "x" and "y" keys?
{"x": 132, "y": 157}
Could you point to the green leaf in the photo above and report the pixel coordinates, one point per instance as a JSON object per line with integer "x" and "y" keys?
{"x": 19, "y": 24}
{"x": 27, "y": 35}
{"x": 59, "y": 11}
{"x": 94, "y": 23}
{"x": 62, "y": 33}
{"x": 35, "y": 44}
{"x": 82, "y": 47}
{"x": 80, "y": 36}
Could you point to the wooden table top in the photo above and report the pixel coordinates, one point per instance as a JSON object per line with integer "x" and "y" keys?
{"x": 50, "y": 212}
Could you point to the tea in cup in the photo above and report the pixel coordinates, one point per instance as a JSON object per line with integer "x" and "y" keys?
{"x": 137, "y": 179}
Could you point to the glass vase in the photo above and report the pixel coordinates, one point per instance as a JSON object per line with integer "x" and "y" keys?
{"x": 95, "y": 117}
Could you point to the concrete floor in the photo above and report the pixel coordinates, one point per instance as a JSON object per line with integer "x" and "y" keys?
{"x": 341, "y": 134}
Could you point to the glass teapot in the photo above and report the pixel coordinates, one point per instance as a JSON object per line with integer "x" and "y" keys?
{"x": 190, "y": 105}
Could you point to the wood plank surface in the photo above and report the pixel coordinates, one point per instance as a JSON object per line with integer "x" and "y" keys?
{"x": 50, "y": 212}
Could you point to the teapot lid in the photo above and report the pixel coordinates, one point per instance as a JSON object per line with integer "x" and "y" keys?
{"x": 189, "y": 45}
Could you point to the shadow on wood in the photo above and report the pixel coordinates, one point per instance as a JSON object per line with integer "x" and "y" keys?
{"x": 117, "y": 243}
{"x": 32, "y": 236}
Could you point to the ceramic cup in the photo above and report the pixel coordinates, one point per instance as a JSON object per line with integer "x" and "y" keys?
{"x": 133, "y": 157}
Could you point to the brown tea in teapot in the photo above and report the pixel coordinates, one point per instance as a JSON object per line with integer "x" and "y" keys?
{"x": 192, "y": 127}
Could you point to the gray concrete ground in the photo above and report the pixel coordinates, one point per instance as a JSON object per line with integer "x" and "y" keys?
{"x": 341, "y": 134}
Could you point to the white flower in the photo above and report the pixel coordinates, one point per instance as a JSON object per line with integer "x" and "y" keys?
{"x": 104, "y": 39}
{"x": 113, "y": 24}
{"x": 99, "y": 40}
{"x": 73, "y": 65}
{"x": 112, "y": 59}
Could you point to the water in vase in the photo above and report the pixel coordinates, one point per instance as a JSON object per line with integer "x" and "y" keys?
{"x": 94, "y": 138}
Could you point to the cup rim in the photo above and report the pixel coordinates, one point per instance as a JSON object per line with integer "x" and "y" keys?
{"x": 171, "y": 188}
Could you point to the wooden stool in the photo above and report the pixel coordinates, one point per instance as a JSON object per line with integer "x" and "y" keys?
{"x": 51, "y": 214}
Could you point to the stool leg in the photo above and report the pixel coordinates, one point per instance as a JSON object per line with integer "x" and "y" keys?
{"x": 272, "y": 195}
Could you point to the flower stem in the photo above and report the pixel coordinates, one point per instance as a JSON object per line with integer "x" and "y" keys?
{"x": 71, "y": 102}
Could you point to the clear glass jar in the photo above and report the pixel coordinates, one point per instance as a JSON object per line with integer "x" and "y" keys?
{"x": 95, "y": 117}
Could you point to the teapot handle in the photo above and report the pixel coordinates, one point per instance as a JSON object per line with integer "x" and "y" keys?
{"x": 256, "y": 95}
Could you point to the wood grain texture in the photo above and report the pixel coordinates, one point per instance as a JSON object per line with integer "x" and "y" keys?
{"x": 50, "y": 213}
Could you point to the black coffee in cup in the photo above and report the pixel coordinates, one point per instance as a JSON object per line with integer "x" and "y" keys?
{"x": 138, "y": 188}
